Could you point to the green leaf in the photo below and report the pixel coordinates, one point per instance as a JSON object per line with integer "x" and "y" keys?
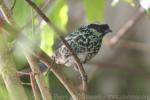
{"x": 55, "y": 85}
{"x": 39, "y": 2}
{"x": 47, "y": 39}
{"x": 94, "y": 9}
{"x": 21, "y": 12}
{"x": 59, "y": 13}
{"x": 3, "y": 91}
{"x": 19, "y": 58}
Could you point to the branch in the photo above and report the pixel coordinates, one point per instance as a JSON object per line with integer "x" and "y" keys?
{"x": 46, "y": 95}
{"x": 6, "y": 13}
{"x": 40, "y": 54}
{"x": 15, "y": 31}
{"x": 46, "y": 19}
{"x": 9, "y": 73}
{"x": 34, "y": 87}
{"x": 125, "y": 28}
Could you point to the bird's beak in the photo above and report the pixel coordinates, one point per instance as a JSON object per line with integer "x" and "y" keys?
{"x": 109, "y": 30}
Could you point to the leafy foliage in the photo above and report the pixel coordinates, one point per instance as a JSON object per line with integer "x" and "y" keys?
{"x": 3, "y": 92}
{"x": 94, "y": 10}
{"x": 21, "y": 12}
{"x": 58, "y": 14}
{"x": 47, "y": 39}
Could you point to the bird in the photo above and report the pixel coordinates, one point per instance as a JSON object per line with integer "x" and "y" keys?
{"x": 85, "y": 41}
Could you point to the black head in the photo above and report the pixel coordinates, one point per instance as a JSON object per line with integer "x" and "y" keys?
{"x": 103, "y": 28}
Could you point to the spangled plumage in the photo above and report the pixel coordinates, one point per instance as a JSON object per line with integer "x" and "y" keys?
{"x": 85, "y": 41}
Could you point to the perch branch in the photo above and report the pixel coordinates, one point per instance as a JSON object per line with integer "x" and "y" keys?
{"x": 46, "y": 95}
{"x": 46, "y": 19}
{"x": 40, "y": 54}
{"x": 34, "y": 87}
{"x": 15, "y": 31}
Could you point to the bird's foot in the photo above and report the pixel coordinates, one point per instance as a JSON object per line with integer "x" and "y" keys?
{"x": 48, "y": 69}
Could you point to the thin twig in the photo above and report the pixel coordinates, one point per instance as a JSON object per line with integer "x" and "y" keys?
{"x": 26, "y": 84}
{"x": 34, "y": 87}
{"x": 44, "y": 7}
{"x": 46, "y": 95}
{"x": 23, "y": 73}
{"x": 125, "y": 28}
{"x": 74, "y": 92}
{"x": 46, "y": 19}
{"x": 50, "y": 68}
{"x": 7, "y": 15}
